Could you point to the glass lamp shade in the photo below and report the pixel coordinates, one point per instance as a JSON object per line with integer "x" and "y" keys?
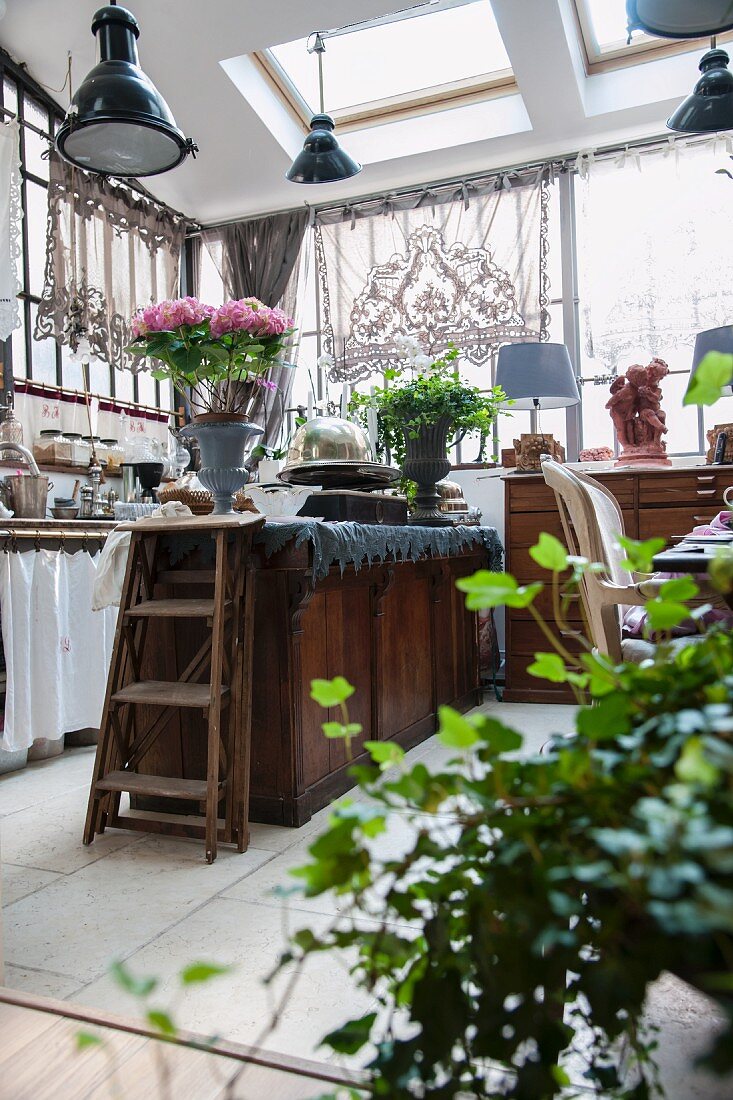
{"x": 118, "y": 123}
{"x": 680, "y": 18}
{"x": 537, "y": 376}
{"x": 713, "y": 339}
{"x": 710, "y": 107}
{"x": 322, "y": 160}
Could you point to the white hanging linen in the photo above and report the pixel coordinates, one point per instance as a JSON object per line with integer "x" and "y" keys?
{"x": 57, "y": 650}
{"x": 11, "y": 213}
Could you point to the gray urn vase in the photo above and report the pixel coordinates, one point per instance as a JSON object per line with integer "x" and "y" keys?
{"x": 224, "y": 445}
{"x": 426, "y": 462}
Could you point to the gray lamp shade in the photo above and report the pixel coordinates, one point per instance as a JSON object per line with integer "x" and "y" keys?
{"x": 118, "y": 123}
{"x": 322, "y": 160}
{"x": 537, "y": 375}
{"x": 709, "y": 108}
{"x": 713, "y": 339}
{"x": 680, "y": 18}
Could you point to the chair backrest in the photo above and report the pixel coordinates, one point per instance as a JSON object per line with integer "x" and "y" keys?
{"x": 592, "y": 522}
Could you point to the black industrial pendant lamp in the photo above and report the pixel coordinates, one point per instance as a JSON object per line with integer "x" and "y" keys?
{"x": 118, "y": 123}
{"x": 710, "y": 107}
{"x": 680, "y": 18}
{"x": 321, "y": 160}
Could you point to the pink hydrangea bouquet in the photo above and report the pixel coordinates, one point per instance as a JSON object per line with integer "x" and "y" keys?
{"x": 218, "y": 358}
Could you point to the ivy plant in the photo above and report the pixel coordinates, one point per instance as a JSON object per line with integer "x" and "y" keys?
{"x": 542, "y": 894}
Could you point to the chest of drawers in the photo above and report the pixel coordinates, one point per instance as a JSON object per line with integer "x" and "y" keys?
{"x": 664, "y": 502}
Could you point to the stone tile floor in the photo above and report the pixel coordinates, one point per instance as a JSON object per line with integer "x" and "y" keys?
{"x": 70, "y": 910}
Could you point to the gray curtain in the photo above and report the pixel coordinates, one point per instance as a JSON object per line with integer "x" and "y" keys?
{"x": 260, "y": 258}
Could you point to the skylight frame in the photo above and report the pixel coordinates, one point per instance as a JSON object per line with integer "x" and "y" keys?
{"x": 436, "y": 97}
{"x": 642, "y": 48}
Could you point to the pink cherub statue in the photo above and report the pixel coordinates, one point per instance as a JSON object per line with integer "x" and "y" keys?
{"x": 635, "y": 406}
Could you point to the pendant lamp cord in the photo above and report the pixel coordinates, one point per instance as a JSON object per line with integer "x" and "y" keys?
{"x": 320, "y": 49}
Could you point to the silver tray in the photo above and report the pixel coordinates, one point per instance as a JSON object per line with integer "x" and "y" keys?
{"x": 344, "y": 474}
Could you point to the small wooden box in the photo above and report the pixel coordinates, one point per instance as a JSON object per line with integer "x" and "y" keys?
{"x": 358, "y": 507}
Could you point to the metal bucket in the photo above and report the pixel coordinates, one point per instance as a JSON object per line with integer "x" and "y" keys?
{"x": 28, "y": 495}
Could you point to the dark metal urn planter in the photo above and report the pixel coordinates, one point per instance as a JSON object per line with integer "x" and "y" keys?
{"x": 224, "y": 442}
{"x": 426, "y": 463}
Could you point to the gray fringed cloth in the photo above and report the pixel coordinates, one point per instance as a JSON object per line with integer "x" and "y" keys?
{"x": 353, "y": 543}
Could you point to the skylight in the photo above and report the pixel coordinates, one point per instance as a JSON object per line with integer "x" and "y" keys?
{"x": 431, "y": 52}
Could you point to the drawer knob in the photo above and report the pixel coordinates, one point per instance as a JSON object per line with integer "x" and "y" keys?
{"x": 705, "y": 492}
{"x": 706, "y": 477}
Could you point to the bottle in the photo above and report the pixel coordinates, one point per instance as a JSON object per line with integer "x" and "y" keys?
{"x": 11, "y": 429}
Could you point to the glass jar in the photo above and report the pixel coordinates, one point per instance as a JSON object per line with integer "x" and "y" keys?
{"x": 80, "y": 452}
{"x": 94, "y": 445}
{"x": 115, "y": 456}
{"x": 52, "y": 448}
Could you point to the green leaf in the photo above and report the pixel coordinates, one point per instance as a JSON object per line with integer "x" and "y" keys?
{"x": 609, "y": 718}
{"x": 548, "y": 666}
{"x": 720, "y": 569}
{"x": 639, "y": 554}
{"x": 549, "y": 553}
{"x": 664, "y": 614}
{"x": 85, "y": 1039}
{"x": 496, "y": 736}
{"x": 202, "y": 972}
{"x": 678, "y": 589}
{"x": 331, "y": 693}
{"x": 706, "y": 384}
{"x": 694, "y": 767}
{"x": 486, "y": 589}
{"x": 454, "y": 730}
{"x": 136, "y": 987}
{"x": 387, "y": 754}
{"x": 341, "y": 730}
{"x": 352, "y": 1036}
{"x": 161, "y": 1021}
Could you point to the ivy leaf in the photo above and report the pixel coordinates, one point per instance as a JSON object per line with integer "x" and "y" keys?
{"x": 331, "y": 693}
{"x": 665, "y": 614}
{"x": 340, "y": 730}
{"x": 455, "y": 731}
{"x": 609, "y": 718}
{"x": 387, "y": 754}
{"x": 639, "y": 554}
{"x": 352, "y": 1036}
{"x": 694, "y": 767}
{"x": 720, "y": 569}
{"x": 136, "y": 987}
{"x": 706, "y": 384}
{"x": 678, "y": 589}
{"x": 161, "y": 1021}
{"x": 202, "y": 972}
{"x": 496, "y": 736}
{"x": 549, "y": 553}
{"x": 548, "y": 666}
{"x": 85, "y": 1039}
{"x": 486, "y": 589}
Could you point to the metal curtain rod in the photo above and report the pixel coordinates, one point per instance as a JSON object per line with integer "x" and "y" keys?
{"x": 99, "y": 396}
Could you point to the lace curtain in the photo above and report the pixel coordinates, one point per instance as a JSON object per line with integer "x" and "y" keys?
{"x": 266, "y": 258}
{"x": 655, "y": 239}
{"x": 108, "y": 252}
{"x": 11, "y": 215}
{"x": 464, "y": 266}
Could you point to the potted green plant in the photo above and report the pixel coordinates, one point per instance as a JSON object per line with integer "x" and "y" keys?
{"x": 218, "y": 359}
{"x": 424, "y": 403}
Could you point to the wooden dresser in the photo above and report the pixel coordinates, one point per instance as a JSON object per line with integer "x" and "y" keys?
{"x": 662, "y": 502}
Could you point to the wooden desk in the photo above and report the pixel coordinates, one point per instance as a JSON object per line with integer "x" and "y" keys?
{"x": 39, "y": 1060}
{"x": 398, "y": 631}
{"x": 664, "y": 502}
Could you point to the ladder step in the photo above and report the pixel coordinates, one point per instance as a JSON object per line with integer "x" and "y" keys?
{"x": 174, "y": 609}
{"x": 165, "y": 693}
{"x": 158, "y": 785}
{"x": 185, "y": 576}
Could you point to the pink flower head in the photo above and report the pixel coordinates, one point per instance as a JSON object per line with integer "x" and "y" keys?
{"x": 264, "y": 382}
{"x": 251, "y": 316}
{"x": 169, "y": 315}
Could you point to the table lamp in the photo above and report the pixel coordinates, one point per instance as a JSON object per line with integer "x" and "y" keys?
{"x": 713, "y": 339}
{"x": 536, "y": 376}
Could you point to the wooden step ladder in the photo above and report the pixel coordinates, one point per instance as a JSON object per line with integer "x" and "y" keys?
{"x": 224, "y": 697}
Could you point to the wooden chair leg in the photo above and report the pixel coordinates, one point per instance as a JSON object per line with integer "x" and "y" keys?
{"x": 214, "y": 711}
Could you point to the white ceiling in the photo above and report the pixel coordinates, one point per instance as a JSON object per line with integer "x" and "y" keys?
{"x": 241, "y": 166}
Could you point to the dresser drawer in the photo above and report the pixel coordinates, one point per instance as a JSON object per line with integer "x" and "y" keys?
{"x": 527, "y": 638}
{"x": 622, "y": 488}
{"x": 667, "y": 522}
{"x": 529, "y": 493}
{"x": 705, "y": 484}
{"x": 527, "y": 527}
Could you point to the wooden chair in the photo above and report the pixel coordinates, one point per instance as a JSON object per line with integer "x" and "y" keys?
{"x": 592, "y": 522}
{"x": 137, "y": 710}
